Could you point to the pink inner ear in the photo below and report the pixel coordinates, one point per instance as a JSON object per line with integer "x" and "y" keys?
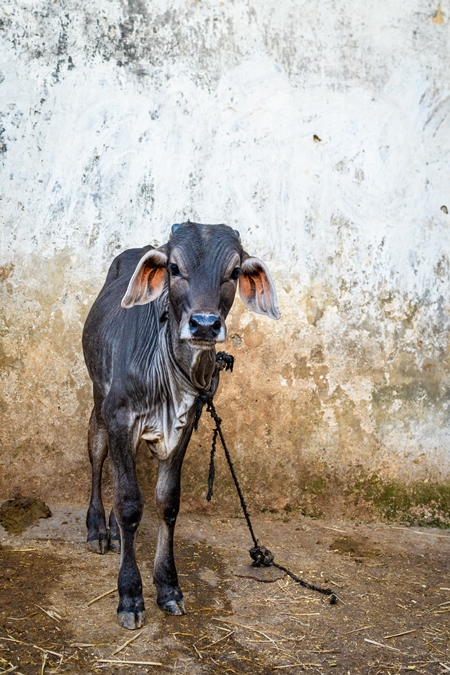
{"x": 251, "y": 286}
{"x": 151, "y": 281}
{"x": 256, "y": 288}
{"x": 147, "y": 281}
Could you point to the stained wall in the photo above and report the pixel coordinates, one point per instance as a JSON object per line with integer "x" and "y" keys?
{"x": 322, "y": 132}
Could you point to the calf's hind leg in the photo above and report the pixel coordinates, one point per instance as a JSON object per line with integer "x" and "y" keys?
{"x": 114, "y": 533}
{"x": 97, "y": 536}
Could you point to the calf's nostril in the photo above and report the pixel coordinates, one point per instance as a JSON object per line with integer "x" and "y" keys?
{"x": 193, "y": 325}
{"x": 216, "y": 327}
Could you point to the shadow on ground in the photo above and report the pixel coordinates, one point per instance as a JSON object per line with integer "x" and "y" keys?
{"x": 392, "y": 616}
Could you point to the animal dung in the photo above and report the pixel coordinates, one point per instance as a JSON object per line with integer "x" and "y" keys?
{"x": 21, "y": 512}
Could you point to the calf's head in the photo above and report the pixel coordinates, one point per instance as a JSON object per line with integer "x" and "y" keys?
{"x": 203, "y": 265}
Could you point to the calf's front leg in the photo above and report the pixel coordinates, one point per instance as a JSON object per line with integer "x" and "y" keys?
{"x": 128, "y": 506}
{"x": 169, "y": 596}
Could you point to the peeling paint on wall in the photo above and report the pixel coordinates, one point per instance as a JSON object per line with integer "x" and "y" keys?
{"x": 322, "y": 132}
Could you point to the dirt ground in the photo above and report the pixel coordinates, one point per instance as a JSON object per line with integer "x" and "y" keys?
{"x": 393, "y": 585}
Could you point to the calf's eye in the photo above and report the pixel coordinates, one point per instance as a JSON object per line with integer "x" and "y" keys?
{"x": 174, "y": 270}
{"x": 236, "y": 273}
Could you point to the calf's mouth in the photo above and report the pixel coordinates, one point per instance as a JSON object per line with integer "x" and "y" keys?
{"x": 202, "y": 344}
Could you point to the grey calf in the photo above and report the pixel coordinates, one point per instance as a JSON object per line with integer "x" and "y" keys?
{"x": 149, "y": 345}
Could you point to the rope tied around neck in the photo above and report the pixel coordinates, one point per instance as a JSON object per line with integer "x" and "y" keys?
{"x": 260, "y": 555}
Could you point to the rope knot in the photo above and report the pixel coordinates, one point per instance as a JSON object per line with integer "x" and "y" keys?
{"x": 203, "y": 398}
{"x": 224, "y": 361}
{"x": 261, "y": 556}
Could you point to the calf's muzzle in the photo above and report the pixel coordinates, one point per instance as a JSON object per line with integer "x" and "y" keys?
{"x": 207, "y": 327}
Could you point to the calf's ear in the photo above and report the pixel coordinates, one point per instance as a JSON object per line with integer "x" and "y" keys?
{"x": 148, "y": 279}
{"x": 257, "y": 289}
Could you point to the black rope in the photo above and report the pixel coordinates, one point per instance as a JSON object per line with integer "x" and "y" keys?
{"x": 212, "y": 468}
{"x": 259, "y": 554}
{"x": 212, "y": 411}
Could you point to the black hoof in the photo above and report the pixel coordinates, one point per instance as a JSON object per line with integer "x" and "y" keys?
{"x": 114, "y": 544}
{"x": 174, "y": 607}
{"x": 98, "y": 545}
{"x": 131, "y": 620}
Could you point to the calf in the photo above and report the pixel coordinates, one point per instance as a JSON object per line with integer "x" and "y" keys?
{"x": 149, "y": 345}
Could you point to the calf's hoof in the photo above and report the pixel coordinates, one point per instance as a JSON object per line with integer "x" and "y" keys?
{"x": 131, "y": 620}
{"x": 174, "y": 607}
{"x": 114, "y": 544}
{"x": 98, "y": 545}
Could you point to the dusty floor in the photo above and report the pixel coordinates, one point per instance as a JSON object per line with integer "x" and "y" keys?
{"x": 393, "y": 613}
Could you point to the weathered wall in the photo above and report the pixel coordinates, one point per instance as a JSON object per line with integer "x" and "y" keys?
{"x": 321, "y": 131}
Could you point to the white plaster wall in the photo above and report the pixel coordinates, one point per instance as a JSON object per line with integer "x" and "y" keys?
{"x": 320, "y": 130}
